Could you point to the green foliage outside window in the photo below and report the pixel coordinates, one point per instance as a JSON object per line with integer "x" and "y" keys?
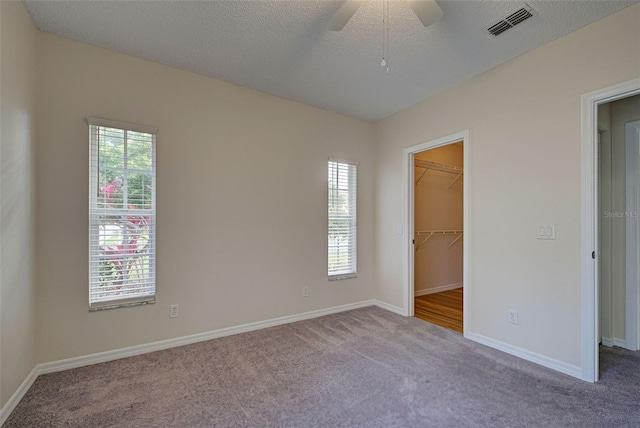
{"x": 131, "y": 172}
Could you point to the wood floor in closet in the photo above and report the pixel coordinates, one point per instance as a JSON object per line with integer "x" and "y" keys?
{"x": 444, "y": 309}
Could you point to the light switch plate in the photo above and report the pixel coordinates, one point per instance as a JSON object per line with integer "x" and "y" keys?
{"x": 551, "y": 231}
{"x": 546, "y": 231}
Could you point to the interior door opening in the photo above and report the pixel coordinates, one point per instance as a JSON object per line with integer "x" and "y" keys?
{"x": 436, "y": 242}
{"x": 593, "y": 215}
{"x": 439, "y": 235}
{"x": 618, "y": 222}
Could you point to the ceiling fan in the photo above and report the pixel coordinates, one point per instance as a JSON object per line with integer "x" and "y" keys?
{"x": 427, "y": 11}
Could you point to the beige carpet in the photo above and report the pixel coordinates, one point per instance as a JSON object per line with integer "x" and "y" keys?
{"x": 362, "y": 368}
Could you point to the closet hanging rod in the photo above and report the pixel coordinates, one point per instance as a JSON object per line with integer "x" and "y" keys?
{"x": 437, "y": 232}
{"x": 438, "y": 166}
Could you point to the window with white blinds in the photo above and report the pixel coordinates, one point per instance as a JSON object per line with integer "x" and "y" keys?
{"x": 122, "y": 214}
{"x": 342, "y": 219}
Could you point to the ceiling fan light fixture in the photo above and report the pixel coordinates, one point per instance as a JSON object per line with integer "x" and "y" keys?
{"x": 344, "y": 14}
{"x": 427, "y": 11}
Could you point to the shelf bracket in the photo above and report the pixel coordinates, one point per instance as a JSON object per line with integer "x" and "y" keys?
{"x": 455, "y": 240}
{"x": 424, "y": 240}
{"x": 422, "y": 175}
{"x": 454, "y": 180}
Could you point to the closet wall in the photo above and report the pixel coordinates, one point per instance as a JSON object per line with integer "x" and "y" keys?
{"x": 438, "y": 206}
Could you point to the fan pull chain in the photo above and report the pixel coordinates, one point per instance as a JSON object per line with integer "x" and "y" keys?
{"x": 385, "y": 35}
{"x": 388, "y": 23}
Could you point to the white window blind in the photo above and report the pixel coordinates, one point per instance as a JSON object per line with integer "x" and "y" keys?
{"x": 122, "y": 214}
{"x": 342, "y": 219}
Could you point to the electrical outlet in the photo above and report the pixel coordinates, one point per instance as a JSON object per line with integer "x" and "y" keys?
{"x": 513, "y": 316}
{"x": 305, "y": 292}
{"x": 173, "y": 311}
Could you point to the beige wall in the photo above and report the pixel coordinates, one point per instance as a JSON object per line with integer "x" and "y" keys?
{"x": 17, "y": 197}
{"x": 440, "y": 207}
{"x": 241, "y": 200}
{"x": 524, "y": 154}
{"x": 613, "y": 227}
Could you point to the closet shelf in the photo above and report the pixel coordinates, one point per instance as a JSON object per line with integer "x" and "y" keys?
{"x": 435, "y": 166}
{"x": 429, "y": 233}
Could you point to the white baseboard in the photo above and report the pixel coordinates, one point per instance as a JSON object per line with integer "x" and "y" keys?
{"x": 609, "y": 342}
{"x": 390, "y": 308}
{"x": 17, "y": 396}
{"x": 439, "y": 289}
{"x": 551, "y": 363}
{"x": 621, "y": 343}
{"x": 101, "y": 357}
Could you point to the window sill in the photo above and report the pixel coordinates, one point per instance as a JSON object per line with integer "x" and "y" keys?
{"x": 341, "y": 277}
{"x": 114, "y": 305}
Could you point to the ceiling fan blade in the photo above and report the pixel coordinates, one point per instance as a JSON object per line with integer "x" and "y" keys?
{"x": 344, "y": 14}
{"x": 427, "y": 11}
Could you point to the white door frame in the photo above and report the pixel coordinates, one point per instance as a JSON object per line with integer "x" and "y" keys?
{"x": 590, "y": 285}
{"x": 632, "y": 296}
{"x": 408, "y": 254}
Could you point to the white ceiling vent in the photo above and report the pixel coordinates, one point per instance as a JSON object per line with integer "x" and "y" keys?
{"x": 510, "y": 21}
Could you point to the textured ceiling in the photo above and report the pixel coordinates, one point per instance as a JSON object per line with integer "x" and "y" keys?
{"x": 283, "y": 47}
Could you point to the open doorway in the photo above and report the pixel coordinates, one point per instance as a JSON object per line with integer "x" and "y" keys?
{"x": 618, "y": 221}
{"x": 438, "y": 234}
{"x": 436, "y": 183}
{"x": 601, "y": 178}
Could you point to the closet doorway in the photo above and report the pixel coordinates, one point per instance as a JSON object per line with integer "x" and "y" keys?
{"x": 436, "y": 265}
{"x": 600, "y": 312}
{"x": 618, "y": 222}
{"x": 438, "y": 222}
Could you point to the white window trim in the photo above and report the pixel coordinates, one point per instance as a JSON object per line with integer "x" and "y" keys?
{"x": 354, "y": 274}
{"x": 139, "y": 300}
{"x": 122, "y": 125}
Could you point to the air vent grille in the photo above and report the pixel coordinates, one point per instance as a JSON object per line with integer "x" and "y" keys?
{"x": 519, "y": 16}
{"x": 510, "y": 21}
{"x": 499, "y": 28}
